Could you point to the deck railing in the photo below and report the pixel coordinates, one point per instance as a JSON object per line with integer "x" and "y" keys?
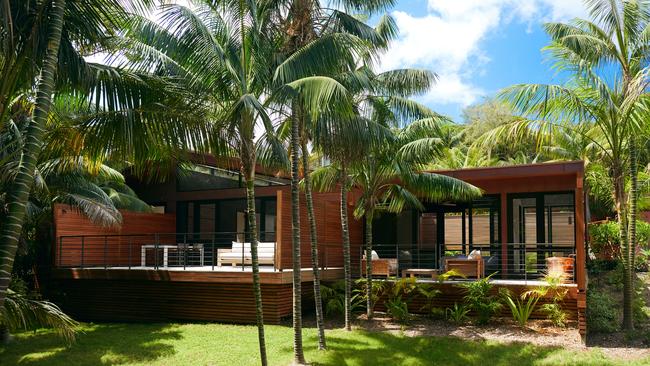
{"x": 517, "y": 261}
{"x": 204, "y": 251}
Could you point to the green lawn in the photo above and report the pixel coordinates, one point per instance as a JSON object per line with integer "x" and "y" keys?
{"x": 219, "y": 344}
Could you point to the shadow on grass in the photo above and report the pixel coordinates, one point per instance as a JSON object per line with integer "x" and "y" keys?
{"x": 105, "y": 344}
{"x": 375, "y": 348}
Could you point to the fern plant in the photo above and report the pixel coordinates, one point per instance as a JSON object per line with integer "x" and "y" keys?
{"x": 429, "y": 293}
{"x": 478, "y": 296}
{"x": 333, "y": 297}
{"x": 553, "y": 285}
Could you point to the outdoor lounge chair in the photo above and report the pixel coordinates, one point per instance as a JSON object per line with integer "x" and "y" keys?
{"x": 380, "y": 266}
{"x": 240, "y": 253}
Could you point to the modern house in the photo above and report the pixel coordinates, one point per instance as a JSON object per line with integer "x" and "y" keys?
{"x": 191, "y": 260}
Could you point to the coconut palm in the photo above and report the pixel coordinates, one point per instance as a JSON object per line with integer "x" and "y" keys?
{"x": 18, "y": 192}
{"x": 51, "y": 33}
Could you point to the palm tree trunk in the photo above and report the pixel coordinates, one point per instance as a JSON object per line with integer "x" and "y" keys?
{"x": 369, "y": 294}
{"x": 320, "y": 321}
{"x": 620, "y": 203}
{"x": 19, "y": 190}
{"x": 628, "y": 323}
{"x": 257, "y": 289}
{"x": 345, "y": 232}
{"x": 298, "y": 354}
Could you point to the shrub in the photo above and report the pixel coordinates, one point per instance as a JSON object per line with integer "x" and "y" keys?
{"x": 333, "y": 297}
{"x": 605, "y": 238}
{"x": 479, "y": 299}
{"x": 602, "y": 316}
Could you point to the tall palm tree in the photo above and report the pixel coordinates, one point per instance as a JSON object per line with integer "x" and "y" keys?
{"x": 309, "y": 23}
{"x": 226, "y": 56}
{"x": 587, "y": 100}
{"x": 618, "y": 35}
{"x": 51, "y": 33}
{"x": 21, "y": 186}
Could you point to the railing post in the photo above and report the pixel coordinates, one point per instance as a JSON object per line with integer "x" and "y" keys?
{"x": 184, "y": 254}
{"x": 213, "y": 237}
{"x": 83, "y": 242}
{"x": 131, "y": 252}
{"x": 105, "y": 249}
{"x": 155, "y": 251}
{"x": 243, "y": 245}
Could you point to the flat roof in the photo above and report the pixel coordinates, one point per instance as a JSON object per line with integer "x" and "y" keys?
{"x": 516, "y": 171}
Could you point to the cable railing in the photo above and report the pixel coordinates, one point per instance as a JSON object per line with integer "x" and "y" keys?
{"x": 517, "y": 261}
{"x": 196, "y": 251}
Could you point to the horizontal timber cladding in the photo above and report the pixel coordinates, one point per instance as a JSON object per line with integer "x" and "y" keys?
{"x": 327, "y": 211}
{"x": 96, "y": 249}
{"x": 143, "y": 301}
{"x": 451, "y": 294}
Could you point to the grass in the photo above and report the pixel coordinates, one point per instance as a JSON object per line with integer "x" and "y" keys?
{"x": 220, "y": 344}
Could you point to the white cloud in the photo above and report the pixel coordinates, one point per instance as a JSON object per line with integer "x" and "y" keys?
{"x": 448, "y": 39}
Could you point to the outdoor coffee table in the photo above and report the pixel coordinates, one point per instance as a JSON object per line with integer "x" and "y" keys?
{"x": 414, "y": 272}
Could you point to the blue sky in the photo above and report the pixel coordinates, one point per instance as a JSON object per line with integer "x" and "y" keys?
{"x": 476, "y": 46}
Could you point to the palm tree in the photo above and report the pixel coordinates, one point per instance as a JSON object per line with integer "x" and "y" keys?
{"x": 226, "y": 57}
{"x": 587, "y": 100}
{"x": 390, "y": 179}
{"x": 308, "y": 23}
{"x": 344, "y": 144}
{"x": 57, "y": 37}
{"x": 616, "y": 36}
{"x": 21, "y": 186}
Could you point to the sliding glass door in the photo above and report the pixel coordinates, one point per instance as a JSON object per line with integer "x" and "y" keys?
{"x": 540, "y": 225}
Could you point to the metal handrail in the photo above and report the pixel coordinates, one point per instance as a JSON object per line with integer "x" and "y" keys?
{"x": 177, "y": 250}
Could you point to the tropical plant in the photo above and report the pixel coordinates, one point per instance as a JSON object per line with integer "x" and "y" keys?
{"x": 398, "y": 309}
{"x": 479, "y": 298}
{"x": 18, "y": 192}
{"x": 309, "y": 26}
{"x": 55, "y": 42}
{"x": 334, "y": 298}
{"x": 377, "y": 290}
{"x": 553, "y": 286}
{"x": 522, "y": 306}
{"x": 429, "y": 292}
{"x": 398, "y": 295}
{"x": 390, "y": 177}
{"x": 458, "y": 313}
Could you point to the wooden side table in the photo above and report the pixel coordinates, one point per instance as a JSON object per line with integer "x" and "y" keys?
{"x": 414, "y": 272}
